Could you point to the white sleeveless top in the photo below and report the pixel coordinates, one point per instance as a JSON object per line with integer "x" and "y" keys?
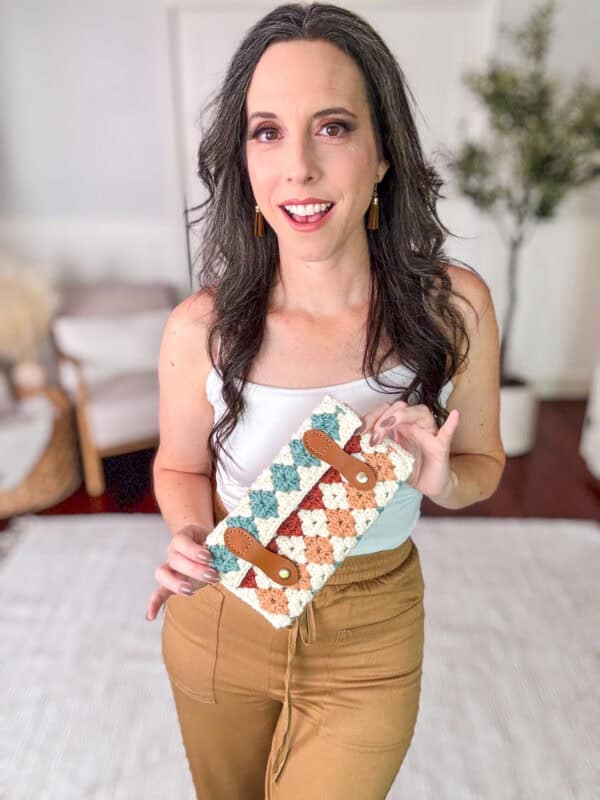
{"x": 273, "y": 414}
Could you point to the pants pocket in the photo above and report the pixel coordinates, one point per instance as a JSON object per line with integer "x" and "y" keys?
{"x": 375, "y": 664}
{"x": 356, "y": 610}
{"x": 189, "y": 641}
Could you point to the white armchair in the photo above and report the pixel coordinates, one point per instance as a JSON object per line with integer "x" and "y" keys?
{"x": 107, "y": 339}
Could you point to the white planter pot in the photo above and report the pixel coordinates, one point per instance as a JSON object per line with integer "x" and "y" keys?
{"x": 589, "y": 445}
{"x": 519, "y": 411}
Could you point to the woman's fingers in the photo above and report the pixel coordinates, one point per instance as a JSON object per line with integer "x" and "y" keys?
{"x": 187, "y": 551}
{"x": 384, "y": 419}
{"x": 188, "y": 554}
{"x": 446, "y": 432}
{"x": 156, "y": 601}
{"x": 370, "y": 418}
{"x": 189, "y": 540}
{"x": 171, "y": 582}
{"x": 189, "y": 567}
{"x": 188, "y": 570}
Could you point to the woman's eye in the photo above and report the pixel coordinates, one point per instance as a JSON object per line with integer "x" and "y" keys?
{"x": 260, "y": 131}
{"x": 346, "y": 128}
{"x": 337, "y": 125}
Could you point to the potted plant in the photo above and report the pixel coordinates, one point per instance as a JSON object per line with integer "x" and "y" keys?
{"x": 544, "y": 141}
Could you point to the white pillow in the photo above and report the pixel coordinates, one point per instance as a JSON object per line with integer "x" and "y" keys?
{"x": 116, "y": 343}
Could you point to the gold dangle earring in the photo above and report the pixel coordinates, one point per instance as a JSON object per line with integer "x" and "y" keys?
{"x": 373, "y": 221}
{"x": 259, "y": 228}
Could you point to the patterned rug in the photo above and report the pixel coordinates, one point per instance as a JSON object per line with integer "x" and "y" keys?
{"x": 509, "y": 710}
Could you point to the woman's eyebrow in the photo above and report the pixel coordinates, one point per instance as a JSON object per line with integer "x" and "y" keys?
{"x": 324, "y": 112}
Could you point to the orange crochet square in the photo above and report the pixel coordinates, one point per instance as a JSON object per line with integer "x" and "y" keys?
{"x": 382, "y": 465}
{"x": 273, "y": 600}
{"x": 305, "y": 577}
{"x": 340, "y": 522}
{"x": 361, "y": 498}
{"x": 318, "y": 550}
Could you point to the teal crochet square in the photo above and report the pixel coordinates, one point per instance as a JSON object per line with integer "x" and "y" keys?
{"x": 285, "y": 478}
{"x": 263, "y": 503}
{"x": 301, "y": 456}
{"x": 223, "y": 559}
{"x": 247, "y": 523}
{"x": 329, "y": 423}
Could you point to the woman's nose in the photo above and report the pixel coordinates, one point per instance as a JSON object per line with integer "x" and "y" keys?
{"x": 301, "y": 162}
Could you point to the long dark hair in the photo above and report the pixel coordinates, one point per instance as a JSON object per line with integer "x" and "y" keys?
{"x": 410, "y": 288}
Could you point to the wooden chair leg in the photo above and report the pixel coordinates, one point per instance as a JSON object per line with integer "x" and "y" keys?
{"x": 93, "y": 471}
{"x": 93, "y": 474}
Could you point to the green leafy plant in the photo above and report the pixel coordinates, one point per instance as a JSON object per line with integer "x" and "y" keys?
{"x": 544, "y": 142}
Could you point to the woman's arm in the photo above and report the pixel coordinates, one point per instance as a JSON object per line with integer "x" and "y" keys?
{"x": 477, "y": 456}
{"x": 182, "y": 466}
{"x": 473, "y": 478}
{"x": 184, "y": 498}
{"x": 461, "y": 462}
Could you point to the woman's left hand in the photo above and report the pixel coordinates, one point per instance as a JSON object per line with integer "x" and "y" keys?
{"x": 415, "y": 429}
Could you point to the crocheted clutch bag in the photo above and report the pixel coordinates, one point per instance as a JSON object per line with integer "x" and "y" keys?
{"x": 305, "y": 512}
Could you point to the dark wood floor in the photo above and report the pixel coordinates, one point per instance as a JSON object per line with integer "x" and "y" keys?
{"x": 551, "y": 481}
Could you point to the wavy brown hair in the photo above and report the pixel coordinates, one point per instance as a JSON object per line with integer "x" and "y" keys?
{"x": 410, "y": 288}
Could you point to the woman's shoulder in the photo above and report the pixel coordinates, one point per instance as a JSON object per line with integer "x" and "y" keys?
{"x": 187, "y": 325}
{"x": 471, "y": 298}
{"x": 468, "y": 284}
{"x": 196, "y": 310}
{"x": 194, "y": 313}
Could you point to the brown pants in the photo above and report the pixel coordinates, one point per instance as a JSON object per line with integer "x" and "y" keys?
{"x": 336, "y": 726}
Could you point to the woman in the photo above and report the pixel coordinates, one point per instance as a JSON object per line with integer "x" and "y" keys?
{"x": 307, "y": 289}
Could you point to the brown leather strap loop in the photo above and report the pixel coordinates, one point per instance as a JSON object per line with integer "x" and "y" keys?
{"x": 359, "y": 474}
{"x": 277, "y": 567}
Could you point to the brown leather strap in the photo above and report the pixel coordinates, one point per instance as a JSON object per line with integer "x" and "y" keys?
{"x": 277, "y": 567}
{"x": 239, "y": 541}
{"x": 359, "y": 474}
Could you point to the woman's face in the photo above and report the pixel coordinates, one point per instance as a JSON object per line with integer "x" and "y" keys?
{"x": 294, "y": 155}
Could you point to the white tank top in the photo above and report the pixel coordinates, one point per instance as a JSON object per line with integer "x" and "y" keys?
{"x": 273, "y": 414}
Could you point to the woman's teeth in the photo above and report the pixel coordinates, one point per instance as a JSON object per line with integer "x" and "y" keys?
{"x": 309, "y": 213}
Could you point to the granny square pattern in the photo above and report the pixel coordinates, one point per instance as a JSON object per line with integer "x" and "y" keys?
{"x": 303, "y": 508}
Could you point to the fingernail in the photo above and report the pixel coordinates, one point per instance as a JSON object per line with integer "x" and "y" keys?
{"x": 147, "y": 617}
{"x": 361, "y": 429}
{"x": 387, "y": 422}
{"x": 186, "y": 588}
{"x": 375, "y": 437}
{"x": 210, "y": 574}
{"x": 204, "y": 558}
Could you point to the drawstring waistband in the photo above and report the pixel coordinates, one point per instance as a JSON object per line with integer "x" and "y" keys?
{"x": 305, "y": 623}
{"x": 353, "y": 568}
{"x": 306, "y": 626}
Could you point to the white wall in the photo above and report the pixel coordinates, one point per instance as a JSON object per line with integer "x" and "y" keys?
{"x": 556, "y": 334}
{"x": 86, "y": 166}
{"x": 88, "y": 155}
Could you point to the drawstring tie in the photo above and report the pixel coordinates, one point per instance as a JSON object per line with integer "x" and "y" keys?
{"x": 305, "y": 623}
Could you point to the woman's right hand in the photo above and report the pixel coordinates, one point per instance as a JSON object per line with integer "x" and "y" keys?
{"x": 189, "y": 563}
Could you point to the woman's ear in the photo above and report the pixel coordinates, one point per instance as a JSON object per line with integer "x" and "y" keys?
{"x": 383, "y": 168}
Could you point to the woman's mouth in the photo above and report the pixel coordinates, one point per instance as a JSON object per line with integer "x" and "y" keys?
{"x": 307, "y": 222}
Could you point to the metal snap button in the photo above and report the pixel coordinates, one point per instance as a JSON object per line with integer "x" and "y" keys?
{"x": 284, "y": 573}
{"x": 362, "y": 477}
